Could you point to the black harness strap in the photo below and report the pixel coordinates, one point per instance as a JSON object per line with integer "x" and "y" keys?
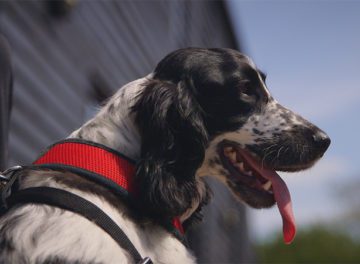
{"x": 74, "y": 203}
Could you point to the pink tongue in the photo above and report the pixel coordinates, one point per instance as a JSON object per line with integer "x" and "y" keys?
{"x": 282, "y": 197}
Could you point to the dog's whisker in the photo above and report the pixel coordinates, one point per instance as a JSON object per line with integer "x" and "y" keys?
{"x": 267, "y": 154}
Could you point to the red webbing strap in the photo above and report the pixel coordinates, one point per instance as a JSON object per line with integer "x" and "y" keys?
{"x": 97, "y": 160}
{"x": 93, "y": 159}
{"x": 177, "y": 224}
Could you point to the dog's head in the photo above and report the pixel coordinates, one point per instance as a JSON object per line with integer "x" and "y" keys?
{"x": 207, "y": 112}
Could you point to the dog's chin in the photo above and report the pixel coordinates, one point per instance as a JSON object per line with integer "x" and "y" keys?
{"x": 245, "y": 180}
{"x": 295, "y": 167}
{"x": 251, "y": 196}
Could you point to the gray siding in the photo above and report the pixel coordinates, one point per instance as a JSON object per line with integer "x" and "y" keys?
{"x": 55, "y": 60}
{"x": 120, "y": 40}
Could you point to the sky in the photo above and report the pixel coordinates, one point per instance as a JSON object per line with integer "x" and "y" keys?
{"x": 310, "y": 51}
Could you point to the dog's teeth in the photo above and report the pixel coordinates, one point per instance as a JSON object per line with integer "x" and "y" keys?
{"x": 249, "y": 173}
{"x": 228, "y": 150}
{"x": 267, "y": 185}
{"x": 241, "y": 166}
{"x": 232, "y": 156}
{"x": 230, "y": 153}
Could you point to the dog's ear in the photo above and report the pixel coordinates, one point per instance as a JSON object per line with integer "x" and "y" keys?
{"x": 172, "y": 148}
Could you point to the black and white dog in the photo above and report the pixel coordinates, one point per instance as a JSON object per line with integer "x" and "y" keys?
{"x": 202, "y": 112}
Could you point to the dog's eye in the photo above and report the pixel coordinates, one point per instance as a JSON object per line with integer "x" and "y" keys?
{"x": 245, "y": 88}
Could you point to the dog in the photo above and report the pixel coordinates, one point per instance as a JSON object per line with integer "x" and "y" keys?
{"x": 202, "y": 112}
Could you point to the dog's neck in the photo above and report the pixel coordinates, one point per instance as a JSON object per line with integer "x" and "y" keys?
{"x": 114, "y": 126}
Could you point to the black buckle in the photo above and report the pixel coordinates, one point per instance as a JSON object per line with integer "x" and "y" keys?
{"x": 4, "y": 177}
{"x": 7, "y": 180}
{"x": 146, "y": 260}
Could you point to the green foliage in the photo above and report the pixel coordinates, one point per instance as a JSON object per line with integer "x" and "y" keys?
{"x": 314, "y": 245}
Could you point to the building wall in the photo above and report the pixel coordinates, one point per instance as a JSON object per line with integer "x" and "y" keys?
{"x": 61, "y": 61}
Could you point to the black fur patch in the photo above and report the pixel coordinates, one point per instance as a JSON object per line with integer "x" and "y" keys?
{"x": 173, "y": 145}
{"x": 195, "y": 94}
{"x": 220, "y": 80}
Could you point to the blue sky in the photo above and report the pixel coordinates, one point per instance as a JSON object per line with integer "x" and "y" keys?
{"x": 310, "y": 51}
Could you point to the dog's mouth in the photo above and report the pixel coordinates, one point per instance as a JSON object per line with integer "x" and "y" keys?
{"x": 257, "y": 184}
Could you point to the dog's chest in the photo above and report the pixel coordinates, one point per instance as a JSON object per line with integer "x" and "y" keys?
{"x": 40, "y": 233}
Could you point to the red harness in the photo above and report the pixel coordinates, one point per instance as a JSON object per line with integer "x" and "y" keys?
{"x": 98, "y": 163}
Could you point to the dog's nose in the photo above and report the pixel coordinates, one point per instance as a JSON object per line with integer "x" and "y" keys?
{"x": 321, "y": 140}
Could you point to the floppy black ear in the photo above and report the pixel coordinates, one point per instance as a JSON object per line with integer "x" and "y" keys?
{"x": 173, "y": 146}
